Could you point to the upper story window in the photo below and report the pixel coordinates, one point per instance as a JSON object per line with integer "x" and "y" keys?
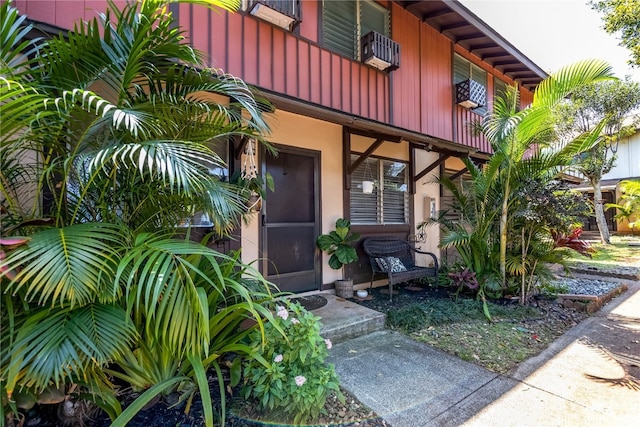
{"x": 499, "y": 88}
{"x": 388, "y": 203}
{"x": 345, "y": 22}
{"x": 464, "y": 70}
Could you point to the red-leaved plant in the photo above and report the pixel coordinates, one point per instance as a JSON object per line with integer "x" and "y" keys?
{"x": 573, "y": 241}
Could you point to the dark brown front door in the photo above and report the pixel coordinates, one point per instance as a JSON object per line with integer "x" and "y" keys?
{"x": 291, "y": 221}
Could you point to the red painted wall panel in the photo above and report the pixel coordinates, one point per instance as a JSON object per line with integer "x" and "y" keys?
{"x": 291, "y": 76}
{"x": 316, "y": 75}
{"x": 326, "y": 77}
{"x": 218, "y": 25}
{"x": 42, "y": 10}
{"x": 249, "y": 56}
{"x": 406, "y": 80}
{"x": 265, "y": 64}
{"x": 279, "y": 66}
{"x": 336, "y": 82}
{"x": 66, "y": 13}
{"x": 355, "y": 88}
{"x": 418, "y": 96}
{"x": 345, "y": 76}
{"x": 200, "y": 18}
{"x": 304, "y": 75}
{"x": 436, "y": 83}
{"x": 310, "y": 18}
{"x": 235, "y": 45}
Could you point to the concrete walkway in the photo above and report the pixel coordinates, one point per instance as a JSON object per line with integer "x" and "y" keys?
{"x": 589, "y": 376}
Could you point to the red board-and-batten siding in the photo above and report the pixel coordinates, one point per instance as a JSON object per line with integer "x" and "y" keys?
{"x": 276, "y": 60}
{"x": 418, "y": 96}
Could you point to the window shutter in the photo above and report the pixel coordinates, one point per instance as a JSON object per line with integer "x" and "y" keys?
{"x": 464, "y": 70}
{"x": 480, "y": 75}
{"x": 460, "y": 69}
{"x": 364, "y": 207}
{"x": 386, "y": 205}
{"x": 374, "y": 17}
{"x": 339, "y": 27}
{"x": 499, "y": 88}
{"x": 395, "y": 200}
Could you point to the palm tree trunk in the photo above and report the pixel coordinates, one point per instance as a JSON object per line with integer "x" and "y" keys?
{"x": 599, "y": 212}
{"x": 503, "y": 227}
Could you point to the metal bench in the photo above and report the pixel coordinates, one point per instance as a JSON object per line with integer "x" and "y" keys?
{"x": 395, "y": 258}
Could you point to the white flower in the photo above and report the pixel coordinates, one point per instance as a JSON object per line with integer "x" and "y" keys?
{"x": 300, "y": 380}
{"x": 278, "y": 358}
{"x": 327, "y": 342}
{"x": 282, "y": 312}
{"x": 295, "y": 321}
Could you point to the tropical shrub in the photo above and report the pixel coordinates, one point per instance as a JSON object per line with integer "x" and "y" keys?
{"x": 492, "y": 236}
{"x": 295, "y": 381}
{"x": 106, "y": 137}
{"x": 628, "y": 206}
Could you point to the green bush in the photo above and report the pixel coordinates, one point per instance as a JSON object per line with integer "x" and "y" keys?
{"x": 293, "y": 378}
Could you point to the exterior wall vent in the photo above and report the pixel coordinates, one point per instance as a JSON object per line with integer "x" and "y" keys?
{"x": 380, "y": 52}
{"x": 470, "y": 94}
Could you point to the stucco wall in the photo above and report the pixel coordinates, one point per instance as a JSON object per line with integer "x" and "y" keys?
{"x": 304, "y": 132}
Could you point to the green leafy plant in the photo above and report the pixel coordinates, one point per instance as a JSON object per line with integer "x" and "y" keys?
{"x": 491, "y": 233}
{"x": 551, "y": 290}
{"x": 117, "y": 119}
{"x": 294, "y": 379}
{"x": 338, "y": 244}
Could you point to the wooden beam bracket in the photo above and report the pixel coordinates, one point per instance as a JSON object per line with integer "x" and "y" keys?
{"x": 373, "y": 147}
{"x": 432, "y": 166}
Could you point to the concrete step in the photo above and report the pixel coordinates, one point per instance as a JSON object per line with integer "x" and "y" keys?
{"x": 342, "y": 319}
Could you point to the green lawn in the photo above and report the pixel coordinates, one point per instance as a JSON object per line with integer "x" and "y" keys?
{"x": 460, "y": 328}
{"x": 617, "y": 253}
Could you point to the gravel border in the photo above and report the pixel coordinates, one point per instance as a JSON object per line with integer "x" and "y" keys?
{"x": 582, "y": 286}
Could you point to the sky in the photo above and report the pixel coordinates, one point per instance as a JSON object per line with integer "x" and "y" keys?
{"x": 554, "y": 33}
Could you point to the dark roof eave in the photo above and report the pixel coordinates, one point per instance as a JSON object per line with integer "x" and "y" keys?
{"x": 479, "y": 24}
{"x": 297, "y": 106}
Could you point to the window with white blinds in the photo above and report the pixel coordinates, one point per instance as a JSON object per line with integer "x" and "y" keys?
{"x": 464, "y": 69}
{"x": 345, "y": 22}
{"x": 389, "y": 202}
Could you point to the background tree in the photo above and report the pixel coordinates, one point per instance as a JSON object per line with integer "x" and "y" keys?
{"x": 623, "y": 17}
{"x": 611, "y": 101}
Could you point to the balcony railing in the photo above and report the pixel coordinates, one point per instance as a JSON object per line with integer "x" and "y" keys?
{"x": 380, "y": 51}
{"x": 283, "y": 13}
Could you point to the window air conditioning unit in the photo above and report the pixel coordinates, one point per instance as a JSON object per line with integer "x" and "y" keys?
{"x": 380, "y": 52}
{"x": 470, "y": 94}
{"x": 266, "y": 10}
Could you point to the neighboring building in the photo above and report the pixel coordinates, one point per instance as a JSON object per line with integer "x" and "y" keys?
{"x": 627, "y": 166}
{"x": 393, "y": 106}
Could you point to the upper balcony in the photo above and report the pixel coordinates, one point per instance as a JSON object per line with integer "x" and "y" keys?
{"x": 283, "y": 13}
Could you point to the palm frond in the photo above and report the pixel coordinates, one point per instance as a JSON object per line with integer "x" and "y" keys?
{"x": 563, "y": 82}
{"x": 126, "y": 119}
{"x": 16, "y": 49}
{"x": 67, "y": 266}
{"x": 165, "y": 291}
{"x": 181, "y": 166}
{"x": 73, "y": 340}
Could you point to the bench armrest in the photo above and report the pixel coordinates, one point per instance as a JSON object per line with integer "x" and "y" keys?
{"x": 432, "y": 255}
